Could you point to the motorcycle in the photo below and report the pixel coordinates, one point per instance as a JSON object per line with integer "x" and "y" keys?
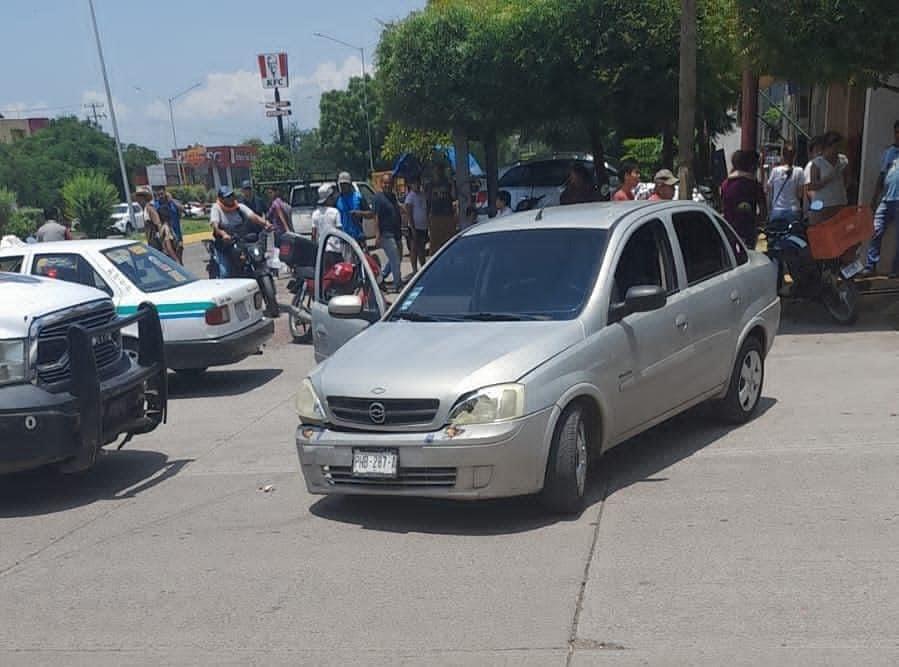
{"x": 298, "y": 253}
{"x": 829, "y": 281}
{"x": 250, "y": 253}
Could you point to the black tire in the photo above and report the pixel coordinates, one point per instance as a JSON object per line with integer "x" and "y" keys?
{"x": 564, "y": 487}
{"x": 300, "y": 330}
{"x": 267, "y": 285}
{"x": 746, "y": 383}
{"x": 129, "y": 230}
{"x": 840, "y": 297}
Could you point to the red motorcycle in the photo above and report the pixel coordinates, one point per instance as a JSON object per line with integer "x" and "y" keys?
{"x": 340, "y": 278}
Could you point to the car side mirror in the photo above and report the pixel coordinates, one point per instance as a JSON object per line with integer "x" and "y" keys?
{"x": 345, "y": 307}
{"x": 639, "y": 299}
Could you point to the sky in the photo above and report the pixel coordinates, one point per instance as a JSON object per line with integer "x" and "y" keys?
{"x": 155, "y": 50}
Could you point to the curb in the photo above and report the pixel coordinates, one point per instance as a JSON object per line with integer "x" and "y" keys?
{"x": 196, "y": 237}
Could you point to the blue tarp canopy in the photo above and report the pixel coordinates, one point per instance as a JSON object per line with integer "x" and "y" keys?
{"x": 408, "y": 165}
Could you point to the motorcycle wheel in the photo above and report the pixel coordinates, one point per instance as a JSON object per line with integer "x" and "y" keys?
{"x": 267, "y": 285}
{"x": 840, "y": 297}
{"x": 299, "y": 329}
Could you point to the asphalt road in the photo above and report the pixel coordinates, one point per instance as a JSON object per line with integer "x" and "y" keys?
{"x": 773, "y": 544}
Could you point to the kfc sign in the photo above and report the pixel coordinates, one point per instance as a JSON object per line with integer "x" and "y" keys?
{"x": 273, "y": 69}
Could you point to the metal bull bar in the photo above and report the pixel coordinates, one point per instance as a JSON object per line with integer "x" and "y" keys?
{"x": 88, "y": 390}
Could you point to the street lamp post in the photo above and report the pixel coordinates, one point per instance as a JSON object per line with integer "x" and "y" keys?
{"x": 361, "y": 50}
{"x": 115, "y": 125}
{"x": 174, "y": 136}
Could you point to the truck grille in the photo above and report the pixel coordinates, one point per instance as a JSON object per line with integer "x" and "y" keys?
{"x": 384, "y": 412}
{"x": 406, "y": 478}
{"x": 53, "y": 363}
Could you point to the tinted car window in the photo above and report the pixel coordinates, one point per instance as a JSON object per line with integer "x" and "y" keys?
{"x": 529, "y": 274}
{"x": 647, "y": 259}
{"x": 11, "y": 264}
{"x": 148, "y": 269}
{"x": 71, "y": 268}
{"x": 301, "y": 196}
{"x": 516, "y": 177}
{"x": 552, "y": 173}
{"x": 701, "y": 244}
{"x": 735, "y": 243}
{"x": 367, "y": 193}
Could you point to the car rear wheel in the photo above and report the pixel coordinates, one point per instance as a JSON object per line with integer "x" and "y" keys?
{"x": 746, "y": 382}
{"x": 566, "y": 469}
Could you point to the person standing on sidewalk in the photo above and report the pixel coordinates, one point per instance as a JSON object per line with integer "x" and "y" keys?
{"x": 442, "y": 215}
{"x": 163, "y": 200}
{"x": 389, "y": 234}
{"x": 629, "y": 173}
{"x": 417, "y": 210}
{"x": 886, "y": 207}
{"x": 743, "y": 198}
{"x": 144, "y": 197}
{"x": 279, "y": 213}
{"x": 785, "y": 187}
{"x": 829, "y": 178}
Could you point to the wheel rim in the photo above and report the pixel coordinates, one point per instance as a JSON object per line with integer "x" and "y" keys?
{"x": 750, "y": 380}
{"x": 580, "y": 470}
{"x": 839, "y": 298}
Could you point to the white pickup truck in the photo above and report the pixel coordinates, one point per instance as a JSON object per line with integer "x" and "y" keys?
{"x": 67, "y": 386}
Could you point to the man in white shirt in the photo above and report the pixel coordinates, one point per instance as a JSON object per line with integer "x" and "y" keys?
{"x": 325, "y": 218}
{"x": 416, "y": 205}
{"x": 785, "y": 188}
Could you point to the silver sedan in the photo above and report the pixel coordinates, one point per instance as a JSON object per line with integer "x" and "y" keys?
{"x": 527, "y": 347}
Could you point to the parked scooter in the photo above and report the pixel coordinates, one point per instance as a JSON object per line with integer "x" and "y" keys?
{"x": 829, "y": 281}
{"x": 251, "y": 263}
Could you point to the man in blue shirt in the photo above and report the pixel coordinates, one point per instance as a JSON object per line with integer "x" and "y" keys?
{"x": 885, "y": 205}
{"x": 353, "y": 208}
{"x": 162, "y": 199}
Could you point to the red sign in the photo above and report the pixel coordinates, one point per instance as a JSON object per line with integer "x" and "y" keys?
{"x": 273, "y": 70}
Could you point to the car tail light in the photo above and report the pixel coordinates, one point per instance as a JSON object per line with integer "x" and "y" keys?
{"x": 257, "y": 300}
{"x": 481, "y": 198}
{"x": 218, "y": 315}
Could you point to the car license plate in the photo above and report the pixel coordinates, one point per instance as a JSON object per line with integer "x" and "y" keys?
{"x": 242, "y": 312}
{"x": 374, "y": 463}
{"x": 852, "y": 269}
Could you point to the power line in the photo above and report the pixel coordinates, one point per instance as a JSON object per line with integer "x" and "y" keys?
{"x": 96, "y": 112}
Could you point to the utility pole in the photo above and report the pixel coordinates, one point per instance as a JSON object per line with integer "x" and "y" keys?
{"x": 115, "y": 126}
{"x": 686, "y": 116}
{"x": 280, "y": 118}
{"x": 96, "y": 112}
{"x": 174, "y": 136}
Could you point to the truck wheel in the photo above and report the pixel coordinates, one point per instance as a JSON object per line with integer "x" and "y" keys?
{"x": 566, "y": 467}
{"x": 746, "y": 382}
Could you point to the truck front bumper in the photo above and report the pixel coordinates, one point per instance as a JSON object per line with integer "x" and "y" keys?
{"x": 38, "y": 427}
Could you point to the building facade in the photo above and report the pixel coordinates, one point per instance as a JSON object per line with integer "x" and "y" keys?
{"x": 12, "y": 129}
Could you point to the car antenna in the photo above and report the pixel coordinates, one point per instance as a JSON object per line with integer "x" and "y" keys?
{"x": 539, "y": 214}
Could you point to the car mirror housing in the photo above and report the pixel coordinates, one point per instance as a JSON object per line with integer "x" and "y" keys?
{"x": 639, "y": 299}
{"x": 347, "y": 307}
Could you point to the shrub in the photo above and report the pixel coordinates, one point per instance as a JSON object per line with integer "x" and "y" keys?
{"x": 7, "y": 207}
{"x": 22, "y": 224}
{"x": 89, "y": 196}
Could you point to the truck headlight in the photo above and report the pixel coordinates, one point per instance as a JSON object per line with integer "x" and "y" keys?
{"x": 488, "y": 405}
{"x": 12, "y": 361}
{"x": 309, "y": 408}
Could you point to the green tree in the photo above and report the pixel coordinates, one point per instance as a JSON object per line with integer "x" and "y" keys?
{"x": 89, "y": 197}
{"x": 7, "y": 206}
{"x": 646, "y": 152}
{"x": 420, "y": 143}
{"x": 273, "y": 163}
{"x": 309, "y": 156}
{"x": 342, "y": 126}
{"x": 36, "y": 167}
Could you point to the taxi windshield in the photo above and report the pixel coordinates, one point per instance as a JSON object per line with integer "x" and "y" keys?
{"x": 148, "y": 269}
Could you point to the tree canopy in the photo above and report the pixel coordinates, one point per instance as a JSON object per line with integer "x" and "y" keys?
{"x": 36, "y": 167}
{"x": 342, "y": 126}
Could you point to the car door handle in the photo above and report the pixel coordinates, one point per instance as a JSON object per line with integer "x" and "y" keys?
{"x": 681, "y": 322}
{"x": 735, "y": 297}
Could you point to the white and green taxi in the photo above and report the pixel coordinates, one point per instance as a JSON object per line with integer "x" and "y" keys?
{"x": 204, "y": 322}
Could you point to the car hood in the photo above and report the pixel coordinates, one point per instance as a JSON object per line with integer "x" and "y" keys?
{"x": 442, "y": 359}
{"x": 33, "y": 297}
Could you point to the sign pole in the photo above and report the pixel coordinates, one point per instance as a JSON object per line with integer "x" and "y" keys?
{"x": 280, "y": 119}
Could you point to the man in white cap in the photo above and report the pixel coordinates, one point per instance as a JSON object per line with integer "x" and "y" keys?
{"x": 353, "y": 208}
{"x": 665, "y": 183}
{"x": 325, "y": 218}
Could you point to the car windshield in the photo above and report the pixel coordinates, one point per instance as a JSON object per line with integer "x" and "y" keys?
{"x": 121, "y": 208}
{"x": 539, "y": 274}
{"x": 148, "y": 269}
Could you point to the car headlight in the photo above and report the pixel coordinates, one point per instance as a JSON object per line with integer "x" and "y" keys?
{"x": 309, "y": 408}
{"x": 12, "y": 361}
{"x": 491, "y": 404}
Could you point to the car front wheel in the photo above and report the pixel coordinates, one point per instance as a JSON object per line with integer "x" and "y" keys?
{"x": 566, "y": 470}
{"x": 746, "y": 382}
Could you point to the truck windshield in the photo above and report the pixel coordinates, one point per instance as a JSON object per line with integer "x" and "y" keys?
{"x": 148, "y": 269}
{"x": 540, "y": 274}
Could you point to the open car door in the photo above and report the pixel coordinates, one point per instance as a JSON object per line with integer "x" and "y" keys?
{"x": 342, "y": 268}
